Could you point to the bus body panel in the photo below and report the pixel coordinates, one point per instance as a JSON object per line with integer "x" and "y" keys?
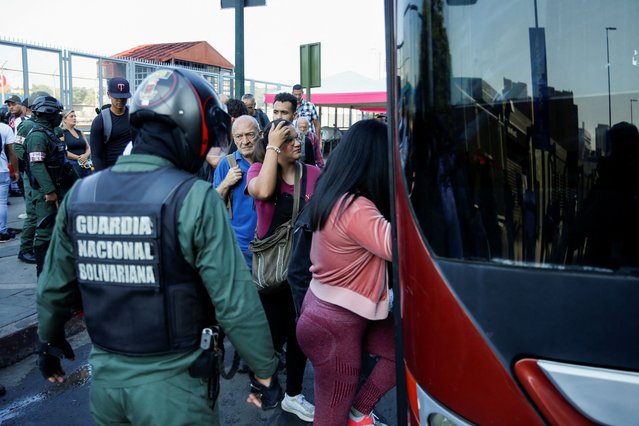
{"x": 516, "y": 181}
{"x": 444, "y": 351}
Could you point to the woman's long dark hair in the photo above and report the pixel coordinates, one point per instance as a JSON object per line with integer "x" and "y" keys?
{"x": 358, "y": 166}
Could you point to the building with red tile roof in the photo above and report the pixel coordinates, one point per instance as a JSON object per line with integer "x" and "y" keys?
{"x": 193, "y": 54}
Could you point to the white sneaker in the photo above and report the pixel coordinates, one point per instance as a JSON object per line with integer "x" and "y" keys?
{"x": 22, "y": 216}
{"x": 299, "y": 406}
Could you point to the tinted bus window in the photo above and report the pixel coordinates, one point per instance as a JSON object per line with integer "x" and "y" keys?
{"x": 516, "y": 129}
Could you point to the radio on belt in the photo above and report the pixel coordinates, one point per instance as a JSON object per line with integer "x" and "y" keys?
{"x": 207, "y": 339}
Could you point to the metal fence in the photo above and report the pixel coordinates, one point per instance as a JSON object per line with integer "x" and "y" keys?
{"x": 79, "y": 80}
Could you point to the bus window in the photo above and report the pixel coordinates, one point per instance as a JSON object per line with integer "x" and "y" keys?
{"x": 516, "y": 131}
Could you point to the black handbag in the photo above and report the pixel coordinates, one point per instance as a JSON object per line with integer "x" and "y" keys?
{"x": 271, "y": 254}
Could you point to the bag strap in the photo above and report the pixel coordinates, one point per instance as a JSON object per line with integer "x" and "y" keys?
{"x": 296, "y": 192}
{"x": 303, "y": 192}
{"x": 229, "y": 198}
{"x": 107, "y": 125}
{"x": 231, "y": 159}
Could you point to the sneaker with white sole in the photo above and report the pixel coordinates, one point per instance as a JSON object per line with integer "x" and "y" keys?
{"x": 367, "y": 420}
{"x": 299, "y": 406}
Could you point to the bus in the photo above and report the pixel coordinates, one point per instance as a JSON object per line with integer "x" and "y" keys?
{"x": 515, "y": 175}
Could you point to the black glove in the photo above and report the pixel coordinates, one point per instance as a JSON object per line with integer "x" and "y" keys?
{"x": 49, "y": 355}
{"x": 271, "y": 395}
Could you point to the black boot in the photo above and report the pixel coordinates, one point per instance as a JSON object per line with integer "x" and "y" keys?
{"x": 27, "y": 256}
{"x": 40, "y": 253}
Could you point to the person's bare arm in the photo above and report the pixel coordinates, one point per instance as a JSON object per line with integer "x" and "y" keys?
{"x": 263, "y": 186}
{"x": 318, "y": 132}
{"x": 13, "y": 159}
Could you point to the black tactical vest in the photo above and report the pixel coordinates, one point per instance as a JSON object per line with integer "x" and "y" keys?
{"x": 140, "y": 297}
{"x": 60, "y": 170}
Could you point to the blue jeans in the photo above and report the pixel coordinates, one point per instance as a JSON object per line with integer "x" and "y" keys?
{"x": 5, "y": 181}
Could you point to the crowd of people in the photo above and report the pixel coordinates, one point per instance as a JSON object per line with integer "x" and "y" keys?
{"x": 162, "y": 206}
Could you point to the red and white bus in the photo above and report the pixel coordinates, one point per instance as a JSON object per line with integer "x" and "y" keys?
{"x": 516, "y": 222}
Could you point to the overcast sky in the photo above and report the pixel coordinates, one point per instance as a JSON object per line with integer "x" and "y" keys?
{"x": 351, "y": 31}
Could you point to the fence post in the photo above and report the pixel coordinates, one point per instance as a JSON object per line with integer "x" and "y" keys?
{"x": 25, "y": 71}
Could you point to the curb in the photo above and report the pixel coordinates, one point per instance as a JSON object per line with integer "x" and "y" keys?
{"x": 20, "y": 344}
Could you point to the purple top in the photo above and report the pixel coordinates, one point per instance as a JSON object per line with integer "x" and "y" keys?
{"x": 266, "y": 208}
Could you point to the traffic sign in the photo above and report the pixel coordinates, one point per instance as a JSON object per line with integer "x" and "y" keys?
{"x": 311, "y": 65}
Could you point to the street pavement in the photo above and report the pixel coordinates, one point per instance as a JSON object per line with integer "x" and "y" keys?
{"x": 17, "y": 295}
{"x": 33, "y": 401}
{"x": 30, "y": 399}
{"x": 18, "y": 322}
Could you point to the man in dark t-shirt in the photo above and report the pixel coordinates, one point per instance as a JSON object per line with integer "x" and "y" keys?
{"x": 105, "y": 152}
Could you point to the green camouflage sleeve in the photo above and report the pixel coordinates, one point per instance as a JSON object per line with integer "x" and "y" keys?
{"x": 36, "y": 146}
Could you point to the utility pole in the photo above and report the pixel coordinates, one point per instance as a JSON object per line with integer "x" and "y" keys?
{"x": 239, "y": 48}
{"x": 608, "y": 66}
{"x": 239, "y": 6}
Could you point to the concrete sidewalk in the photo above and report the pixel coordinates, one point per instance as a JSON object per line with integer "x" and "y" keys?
{"x": 18, "y": 320}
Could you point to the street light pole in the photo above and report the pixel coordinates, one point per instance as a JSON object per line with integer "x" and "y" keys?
{"x": 631, "y": 101}
{"x": 608, "y": 66}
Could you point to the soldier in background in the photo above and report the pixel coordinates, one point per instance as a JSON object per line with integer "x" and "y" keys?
{"x": 50, "y": 175}
{"x": 26, "y": 253}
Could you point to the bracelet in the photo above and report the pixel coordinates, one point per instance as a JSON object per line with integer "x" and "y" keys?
{"x": 273, "y": 148}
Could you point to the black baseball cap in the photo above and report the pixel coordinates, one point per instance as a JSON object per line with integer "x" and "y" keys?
{"x": 13, "y": 98}
{"x": 119, "y": 88}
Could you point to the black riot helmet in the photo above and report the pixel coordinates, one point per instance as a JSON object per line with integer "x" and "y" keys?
{"x": 48, "y": 108}
{"x": 35, "y": 95}
{"x": 185, "y": 101}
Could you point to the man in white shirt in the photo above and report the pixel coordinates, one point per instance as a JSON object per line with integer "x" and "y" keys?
{"x": 7, "y": 136}
{"x": 17, "y": 111}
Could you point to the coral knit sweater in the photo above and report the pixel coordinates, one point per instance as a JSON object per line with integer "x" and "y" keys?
{"x": 348, "y": 260}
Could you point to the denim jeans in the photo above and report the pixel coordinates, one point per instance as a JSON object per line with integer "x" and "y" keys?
{"x": 5, "y": 181}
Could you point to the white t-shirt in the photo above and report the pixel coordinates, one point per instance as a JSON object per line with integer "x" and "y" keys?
{"x": 8, "y": 136}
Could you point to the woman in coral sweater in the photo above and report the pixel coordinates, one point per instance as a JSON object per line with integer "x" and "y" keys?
{"x": 346, "y": 310}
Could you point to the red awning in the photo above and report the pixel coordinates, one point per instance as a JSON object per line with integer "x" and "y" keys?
{"x": 365, "y": 101}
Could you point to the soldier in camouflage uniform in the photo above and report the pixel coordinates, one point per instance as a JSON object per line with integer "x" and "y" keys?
{"x": 50, "y": 175}
{"x": 26, "y": 253}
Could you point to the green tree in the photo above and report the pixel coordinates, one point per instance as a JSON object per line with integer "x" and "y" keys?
{"x": 43, "y": 88}
{"x": 83, "y": 96}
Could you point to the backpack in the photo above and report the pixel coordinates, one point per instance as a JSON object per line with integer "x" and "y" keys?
{"x": 299, "y": 276}
{"x": 107, "y": 125}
